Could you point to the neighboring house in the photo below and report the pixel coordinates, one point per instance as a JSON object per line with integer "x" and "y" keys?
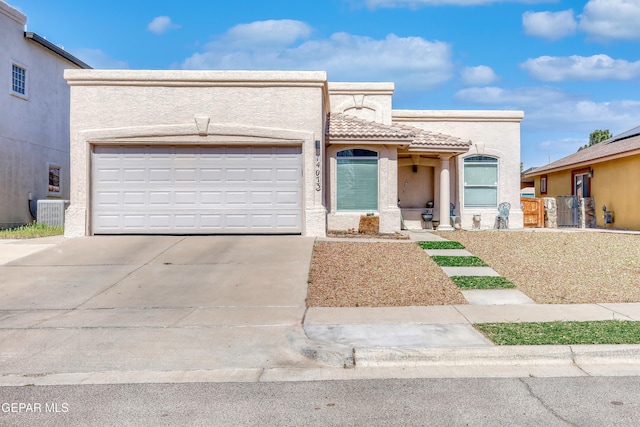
{"x": 276, "y": 152}
{"x": 34, "y": 119}
{"x": 527, "y": 188}
{"x": 608, "y": 172}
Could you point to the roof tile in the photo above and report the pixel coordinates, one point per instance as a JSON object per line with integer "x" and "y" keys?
{"x": 345, "y": 126}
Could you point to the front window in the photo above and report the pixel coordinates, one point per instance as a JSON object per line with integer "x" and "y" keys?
{"x": 543, "y": 184}
{"x": 357, "y": 180}
{"x": 18, "y": 80}
{"x": 481, "y": 182}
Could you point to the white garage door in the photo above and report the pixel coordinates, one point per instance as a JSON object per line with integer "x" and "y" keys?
{"x": 196, "y": 190}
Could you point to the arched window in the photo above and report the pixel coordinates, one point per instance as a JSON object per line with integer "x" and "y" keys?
{"x": 357, "y": 180}
{"x": 480, "y": 182}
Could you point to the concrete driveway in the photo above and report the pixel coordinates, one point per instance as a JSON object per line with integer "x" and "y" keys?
{"x": 164, "y": 304}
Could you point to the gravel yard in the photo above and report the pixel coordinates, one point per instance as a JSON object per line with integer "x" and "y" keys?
{"x": 561, "y": 267}
{"x": 550, "y": 267}
{"x": 366, "y": 274}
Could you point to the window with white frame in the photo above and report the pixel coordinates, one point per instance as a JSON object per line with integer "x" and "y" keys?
{"x": 18, "y": 80}
{"x": 481, "y": 182}
{"x": 54, "y": 179}
{"x": 357, "y": 180}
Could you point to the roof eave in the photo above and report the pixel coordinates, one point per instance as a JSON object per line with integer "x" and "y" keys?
{"x": 55, "y": 49}
{"x": 368, "y": 141}
{"x": 583, "y": 163}
{"x": 455, "y": 150}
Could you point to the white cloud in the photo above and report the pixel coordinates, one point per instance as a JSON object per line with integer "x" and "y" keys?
{"x": 374, "y": 4}
{"x": 552, "y": 109}
{"x": 511, "y": 98}
{"x": 571, "y": 68}
{"x": 549, "y": 25}
{"x": 478, "y": 76}
{"x": 585, "y": 115}
{"x": 269, "y": 33}
{"x": 562, "y": 145}
{"x": 611, "y": 19}
{"x": 409, "y": 61}
{"x": 99, "y": 59}
{"x": 161, "y": 24}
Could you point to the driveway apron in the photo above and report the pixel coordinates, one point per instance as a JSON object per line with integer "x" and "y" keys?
{"x": 153, "y": 303}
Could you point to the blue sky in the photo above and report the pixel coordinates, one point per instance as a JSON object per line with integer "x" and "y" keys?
{"x": 572, "y": 66}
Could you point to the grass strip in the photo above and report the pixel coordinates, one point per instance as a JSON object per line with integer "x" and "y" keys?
{"x": 482, "y": 282}
{"x": 458, "y": 261}
{"x": 31, "y": 231}
{"x": 558, "y": 333}
{"x": 440, "y": 245}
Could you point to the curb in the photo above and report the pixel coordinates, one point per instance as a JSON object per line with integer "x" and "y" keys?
{"x": 498, "y": 356}
{"x": 329, "y": 354}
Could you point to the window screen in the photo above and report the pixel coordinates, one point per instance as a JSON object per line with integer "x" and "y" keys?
{"x": 480, "y": 181}
{"x": 357, "y": 180}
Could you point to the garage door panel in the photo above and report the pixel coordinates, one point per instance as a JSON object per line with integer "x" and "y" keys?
{"x": 134, "y": 198}
{"x": 196, "y": 190}
{"x": 288, "y": 175}
{"x": 209, "y": 175}
{"x": 160, "y": 222}
{"x": 186, "y": 175}
{"x": 211, "y": 199}
{"x": 134, "y": 176}
{"x": 186, "y": 198}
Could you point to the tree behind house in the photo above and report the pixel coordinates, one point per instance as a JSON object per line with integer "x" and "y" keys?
{"x": 596, "y": 137}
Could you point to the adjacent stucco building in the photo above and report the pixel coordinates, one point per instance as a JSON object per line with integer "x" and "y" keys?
{"x": 34, "y": 119}
{"x": 276, "y": 152}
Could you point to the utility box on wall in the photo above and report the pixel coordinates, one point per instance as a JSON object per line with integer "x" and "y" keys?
{"x": 51, "y": 212}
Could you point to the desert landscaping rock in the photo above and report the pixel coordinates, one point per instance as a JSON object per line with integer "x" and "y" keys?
{"x": 562, "y": 267}
{"x": 350, "y": 274}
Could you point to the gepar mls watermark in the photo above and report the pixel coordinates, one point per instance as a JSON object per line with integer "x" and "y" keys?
{"x": 34, "y": 407}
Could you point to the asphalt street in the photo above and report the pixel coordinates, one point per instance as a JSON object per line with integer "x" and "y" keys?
{"x": 581, "y": 401}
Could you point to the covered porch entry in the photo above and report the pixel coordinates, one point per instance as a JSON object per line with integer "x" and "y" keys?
{"x": 427, "y": 181}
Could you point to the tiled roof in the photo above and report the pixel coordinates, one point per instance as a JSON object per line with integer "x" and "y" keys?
{"x": 344, "y": 126}
{"x": 349, "y": 127}
{"x": 618, "y": 145}
{"x": 431, "y": 139}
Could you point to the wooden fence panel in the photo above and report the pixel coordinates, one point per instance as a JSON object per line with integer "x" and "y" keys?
{"x": 533, "y": 210}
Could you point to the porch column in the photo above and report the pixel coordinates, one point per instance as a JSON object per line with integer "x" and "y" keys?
{"x": 445, "y": 195}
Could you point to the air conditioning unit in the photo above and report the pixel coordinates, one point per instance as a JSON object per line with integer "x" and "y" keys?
{"x": 51, "y": 212}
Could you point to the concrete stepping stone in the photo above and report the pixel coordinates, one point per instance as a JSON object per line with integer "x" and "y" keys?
{"x": 496, "y": 297}
{"x": 448, "y": 252}
{"x": 469, "y": 271}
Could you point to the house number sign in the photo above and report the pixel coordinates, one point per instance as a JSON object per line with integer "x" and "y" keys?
{"x": 317, "y": 167}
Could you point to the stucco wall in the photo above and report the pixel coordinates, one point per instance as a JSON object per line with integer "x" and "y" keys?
{"x": 368, "y": 101}
{"x": 558, "y": 184}
{"x": 387, "y": 190}
{"x": 493, "y": 133}
{"x": 415, "y": 189}
{"x": 616, "y": 184}
{"x": 35, "y": 128}
{"x": 161, "y": 107}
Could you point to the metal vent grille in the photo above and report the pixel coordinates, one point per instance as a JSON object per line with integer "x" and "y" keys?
{"x": 51, "y": 212}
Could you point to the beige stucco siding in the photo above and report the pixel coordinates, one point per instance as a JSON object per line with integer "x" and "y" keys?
{"x": 492, "y": 133}
{"x": 165, "y": 107}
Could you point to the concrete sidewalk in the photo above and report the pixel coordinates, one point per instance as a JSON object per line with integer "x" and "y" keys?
{"x": 138, "y": 309}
